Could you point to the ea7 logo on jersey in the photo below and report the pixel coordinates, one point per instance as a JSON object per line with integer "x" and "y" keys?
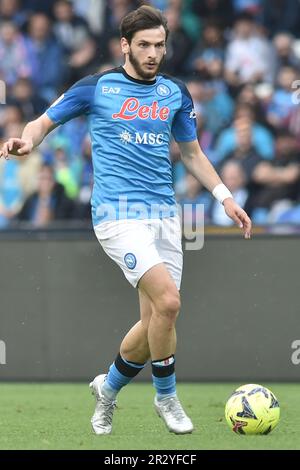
{"x": 132, "y": 109}
{"x": 106, "y": 90}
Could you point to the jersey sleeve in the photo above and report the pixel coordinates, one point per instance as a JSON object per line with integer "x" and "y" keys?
{"x": 184, "y": 127}
{"x": 76, "y": 101}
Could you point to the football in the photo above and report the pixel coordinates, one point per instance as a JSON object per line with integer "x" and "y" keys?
{"x": 252, "y": 409}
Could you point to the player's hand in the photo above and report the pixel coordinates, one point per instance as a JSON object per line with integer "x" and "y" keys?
{"x": 15, "y": 146}
{"x": 238, "y": 215}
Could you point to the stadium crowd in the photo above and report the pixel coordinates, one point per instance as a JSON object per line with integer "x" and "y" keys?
{"x": 240, "y": 60}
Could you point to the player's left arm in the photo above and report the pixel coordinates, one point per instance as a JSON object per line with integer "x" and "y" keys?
{"x": 200, "y": 167}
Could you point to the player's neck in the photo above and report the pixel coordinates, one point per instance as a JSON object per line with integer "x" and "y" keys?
{"x": 130, "y": 70}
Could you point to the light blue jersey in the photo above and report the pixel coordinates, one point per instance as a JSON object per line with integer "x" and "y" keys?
{"x": 131, "y": 122}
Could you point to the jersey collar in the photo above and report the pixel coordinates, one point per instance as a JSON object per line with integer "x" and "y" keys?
{"x": 136, "y": 80}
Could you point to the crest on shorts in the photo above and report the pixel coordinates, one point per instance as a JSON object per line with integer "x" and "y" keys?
{"x": 130, "y": 260}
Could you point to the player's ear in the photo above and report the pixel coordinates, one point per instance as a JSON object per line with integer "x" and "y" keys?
{"x": 125, "y": 46}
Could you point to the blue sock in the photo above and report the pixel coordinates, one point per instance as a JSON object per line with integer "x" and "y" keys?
{"x": 164, "y": 378}
{"x": 121, "y": 372}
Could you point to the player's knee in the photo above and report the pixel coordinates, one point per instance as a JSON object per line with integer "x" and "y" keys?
{"x": 169, "y": 305}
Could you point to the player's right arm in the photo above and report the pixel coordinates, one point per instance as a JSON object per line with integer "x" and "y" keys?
{"x": 33, "y": 134}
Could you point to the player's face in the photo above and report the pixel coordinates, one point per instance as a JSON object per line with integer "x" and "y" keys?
{"x": 146, "y": 52}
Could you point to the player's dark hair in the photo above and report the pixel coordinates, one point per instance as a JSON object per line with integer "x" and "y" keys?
{"x": 145, "y": 17}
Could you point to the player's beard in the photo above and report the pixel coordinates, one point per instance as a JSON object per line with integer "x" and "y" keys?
{"x": 145, "y": 75}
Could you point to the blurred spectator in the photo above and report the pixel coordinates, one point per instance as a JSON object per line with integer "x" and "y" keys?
{"x": 288, "y": 215}
{"x": 245, "y": 153}
{"x": 93, "y": 12}
{"x": 14, "y": 60}
{"x": 285, "y": 54}
{"x": 83, "y": 210}
{"x": 160, "y": 4}
{"x": 10, "y": 191}
{"x": 208, "y": 9}
{"x": 249, "y": 96}
{"x": 48, "y": 203}
{"x": 10, "y": 10}
{"x": 205, "y": 136}
{"x": 281, "y": 15}
{"x": 178, "y": 44}
{"x": 292, "y": 122}
{"x": 86, "y": 176}
{"x": 70, "y": 137}
{"x": 209, "y": 52}
{"x": 28, "y": 99}
{"x": 281, "y": 103}
{"x": 190, "y": 22}
{"x": 234, "y": 178}
{"x": 254, "y": 7}
{"x": 116, "y": 55}
{"x": 278, "y": 180}
{"x": 263, "y": 93}
{"x": 73, "y": 33}
{"x": 38, "y": 6}
{"x": 71, "y": 30}
{"x": 17, "y": 179}
{"x": 48, "y": 69}
{"x": 114, "y": 12}
{"x": 248, "y": 158}
{"x": 214, "y": 104}
{"x": 10, "y": 115}
{"x": 63, "y": 173}
{"x": 249, "y": 56}
{"x": 261, "y": 138}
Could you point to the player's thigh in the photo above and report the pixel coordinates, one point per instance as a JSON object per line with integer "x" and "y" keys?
{"x": 131, "y": 244}
{"x": 169, "y": 247}
{"x": 161, "y": 289}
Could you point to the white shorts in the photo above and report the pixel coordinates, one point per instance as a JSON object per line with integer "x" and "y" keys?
{"x": 137, "y": 245}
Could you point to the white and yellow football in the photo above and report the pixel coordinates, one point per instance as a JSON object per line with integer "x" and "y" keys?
{"x": 252, "y": 409}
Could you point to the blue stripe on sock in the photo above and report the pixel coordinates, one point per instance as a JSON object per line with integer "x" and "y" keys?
{"x": 134, "y": 364}
{"x": 165, "y": 385}
{"x": 115, "y": 379}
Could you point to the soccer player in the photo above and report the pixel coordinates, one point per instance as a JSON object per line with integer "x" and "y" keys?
{"x": 133, "y": 111}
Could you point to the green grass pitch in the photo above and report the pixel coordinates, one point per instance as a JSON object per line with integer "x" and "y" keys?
{"x": 57, "y": 416}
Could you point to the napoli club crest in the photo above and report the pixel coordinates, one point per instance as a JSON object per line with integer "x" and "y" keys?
{"x": 130, "y": 260}
{"x": 163, "y": 90}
